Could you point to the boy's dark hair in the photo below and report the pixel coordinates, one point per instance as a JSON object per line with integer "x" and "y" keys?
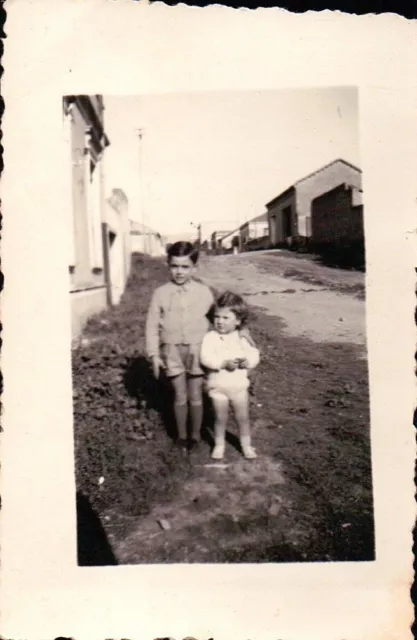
{"x": 183, "y": 248}
{"x": 235, "y": 303}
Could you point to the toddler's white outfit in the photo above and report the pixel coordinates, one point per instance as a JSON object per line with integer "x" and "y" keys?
{"x": 223, "y": 385}
{"x": 215, "y": 349}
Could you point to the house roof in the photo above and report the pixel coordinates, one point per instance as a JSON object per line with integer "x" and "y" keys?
{"x": 230, "y": 234}
{"x": 310, "y": 175}
{"x": 143, "y": 229}
{"x": 326, "y": 166}
{"x": 263, "y": 217}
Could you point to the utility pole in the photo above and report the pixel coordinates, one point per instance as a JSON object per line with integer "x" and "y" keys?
{"x": 140, "y": 133}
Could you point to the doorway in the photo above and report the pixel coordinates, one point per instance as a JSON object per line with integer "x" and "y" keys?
{"x": 287, "y": 222}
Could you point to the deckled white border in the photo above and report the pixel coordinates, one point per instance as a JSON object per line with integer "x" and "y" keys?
{"x": 103, "y": 46}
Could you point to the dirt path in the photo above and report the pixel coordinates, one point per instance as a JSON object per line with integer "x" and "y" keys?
{"x": 317, "y": 302}
{"x": 226, "y": 498}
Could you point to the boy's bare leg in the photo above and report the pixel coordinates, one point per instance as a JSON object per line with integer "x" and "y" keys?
{"x": 195, "y": 397}
{"x": 179, "y": 384}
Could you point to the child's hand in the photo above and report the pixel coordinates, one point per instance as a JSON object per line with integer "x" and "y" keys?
{"x": 230, "y": 365}
{"x": 157, "y": 364}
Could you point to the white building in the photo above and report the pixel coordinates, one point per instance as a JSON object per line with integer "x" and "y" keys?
{"x": 290, "y": 212}
{"x": 230, "y": 241}
{"x": 117, "y": 248}
{"x": 146, "y": 240}
{"x": 207, "y": 228}
{"x": 253, "y": 232}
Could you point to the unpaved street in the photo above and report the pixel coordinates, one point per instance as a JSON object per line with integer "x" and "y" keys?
{"x": 314, "y": 301}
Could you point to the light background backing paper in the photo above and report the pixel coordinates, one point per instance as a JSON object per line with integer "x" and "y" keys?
{"x": 123, "y": 47}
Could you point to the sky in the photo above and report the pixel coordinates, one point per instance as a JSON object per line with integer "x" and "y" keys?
{"x": 217, "y": 158}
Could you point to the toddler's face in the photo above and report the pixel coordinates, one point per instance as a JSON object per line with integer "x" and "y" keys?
{"x": 225, "y": 320}
{"x": 181, "y": 269}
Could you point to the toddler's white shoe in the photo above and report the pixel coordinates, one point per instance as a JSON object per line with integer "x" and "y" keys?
{"x": 218, "y": 452}
{"x": 249, "y": 452}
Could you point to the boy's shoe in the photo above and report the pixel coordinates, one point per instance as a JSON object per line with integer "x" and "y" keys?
{"x": 218, "y": 452}
{"x": 181, "y": 444}
{"x": 249, "y": 452}
{"x": 195, "y": 446}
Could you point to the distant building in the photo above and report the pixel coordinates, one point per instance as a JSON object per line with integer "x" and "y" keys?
{"x": 230, "y": 241}
{"x": 146, "y": 240}
{"x": 97, "y": 236}
{"x": 205, "y": 230}
{"x": 255, "y": 233}
{"x": 337, "y": 216}
{"x": 216, "y": 237}
{"x": 289, "y": 214}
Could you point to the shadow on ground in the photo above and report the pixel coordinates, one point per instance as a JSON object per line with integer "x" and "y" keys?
{"x": 157, "y": 395}
{"x": 93, "y": 548}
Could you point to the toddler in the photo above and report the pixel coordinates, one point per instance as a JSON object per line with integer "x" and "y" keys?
{"x": 176, "y": 323}
{"x": 227, "y": 354}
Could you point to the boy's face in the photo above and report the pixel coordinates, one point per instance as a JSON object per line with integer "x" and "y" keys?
{"x": 225, "y": 320}
{"x": 181, "y": 269}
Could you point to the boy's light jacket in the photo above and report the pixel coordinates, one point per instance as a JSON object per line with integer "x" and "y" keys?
{"x": 178, "y": 315}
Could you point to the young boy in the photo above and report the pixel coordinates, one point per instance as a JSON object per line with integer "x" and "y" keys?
{"x": 175, "y": 327}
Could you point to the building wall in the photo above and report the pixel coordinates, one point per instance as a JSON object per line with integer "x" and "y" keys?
{"x": 116, "y": 235}
{"x": 150, "y": 243}
{"x": 335, "y": 216}
{"x": 258, "y": 229}
{"x": 85, "y": 140}
{"x": 84, "y": 305}
{"x": 276, "y": 222}
{"x": 321, "y": 182}
{"x": 253, "y": 230}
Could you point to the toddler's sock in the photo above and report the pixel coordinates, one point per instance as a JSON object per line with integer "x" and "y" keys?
{"x": 219, "y": 447}
{"x": 218, "y": 452}
{"x": 196, "y": 411}
{"x": 248, "y": 451}
{"x": 180, "y": 411}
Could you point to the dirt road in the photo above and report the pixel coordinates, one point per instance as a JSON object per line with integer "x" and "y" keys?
{"x": 318, "y": 302}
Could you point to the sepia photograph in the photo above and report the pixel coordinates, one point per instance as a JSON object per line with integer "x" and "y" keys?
{"x": 219, "y": 359}
{"x": 208, "y": 323}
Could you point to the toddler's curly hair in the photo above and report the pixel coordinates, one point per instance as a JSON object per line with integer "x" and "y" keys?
{"x": 235, "y": 303}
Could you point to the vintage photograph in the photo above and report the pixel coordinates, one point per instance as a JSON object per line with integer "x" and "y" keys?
{"x": 217, "y": 299}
